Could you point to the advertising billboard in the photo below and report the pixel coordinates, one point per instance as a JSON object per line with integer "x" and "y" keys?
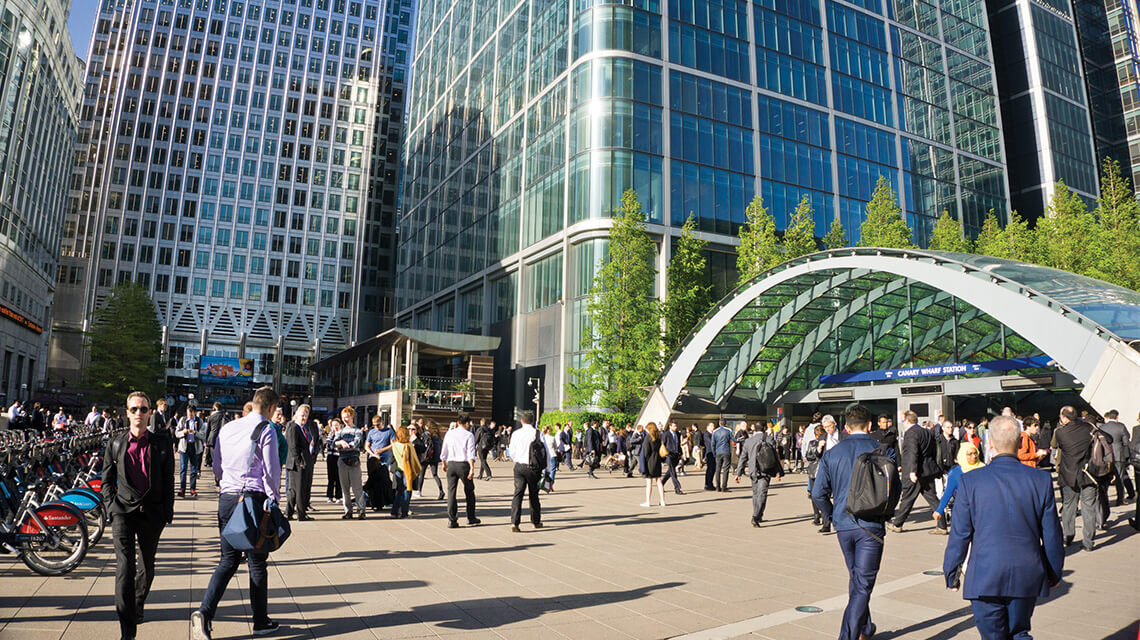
{"x": 225, "y": 371}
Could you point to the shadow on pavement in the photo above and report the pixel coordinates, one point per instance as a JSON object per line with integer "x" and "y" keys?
{"x": 384, "y": 554}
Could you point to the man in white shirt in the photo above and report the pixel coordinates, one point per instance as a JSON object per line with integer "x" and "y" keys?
{"x": 457, "y": 453}
{"x": 526, "y": 478}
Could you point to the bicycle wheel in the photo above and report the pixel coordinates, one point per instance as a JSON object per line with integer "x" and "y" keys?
{"x": 64, "y": 546}
{"x": 96, "y": 519}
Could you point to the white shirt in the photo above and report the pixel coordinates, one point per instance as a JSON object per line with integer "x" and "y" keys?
{"x": 458, "y": 445}
{"x": 520, "y": 443}
{"x": 832, "y": 438}
{"x": 15, "y": 411}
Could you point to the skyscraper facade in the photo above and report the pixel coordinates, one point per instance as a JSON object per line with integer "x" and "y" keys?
{"x": 528, "y": 120}
{"x": 227, "y": 161}
{"x": 40, "y": 85}
{"x": 1043, "y": 93}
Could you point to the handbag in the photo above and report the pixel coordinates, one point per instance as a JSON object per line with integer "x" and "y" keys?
{"x": 663, "y": 452}
{"x": 251, "y": 527}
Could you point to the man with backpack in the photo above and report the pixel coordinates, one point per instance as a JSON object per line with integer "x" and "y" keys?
{"x": 1074, "y": 440}
{"x": 530, "y": 455}
{"x": 920, "y": 467}
{"x": 1120, "y": 455}
{"x": 855, "y": 488}
{"x": 758, "y": 458}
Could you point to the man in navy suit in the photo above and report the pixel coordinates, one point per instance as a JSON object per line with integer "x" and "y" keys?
{"x": 1010, "y": 509}
{"x": 861, "y": 541}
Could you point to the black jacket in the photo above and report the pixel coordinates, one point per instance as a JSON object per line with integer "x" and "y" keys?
{"x": 1075, "y": 442}
{"x": 121, "y": 497}
{"x": 158, "y": 422}
{"x": 920, "y": 454}
{"x": 214, "y": 424}
{"x": 591, "y": 439}
{"x": 298, "y": 455}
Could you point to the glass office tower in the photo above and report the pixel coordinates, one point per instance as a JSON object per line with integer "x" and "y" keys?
{"x": 528, "y": 120}
{"x": 1044, "y": 102}
{"x": 229, "y": 161}
{"x": 40, "y": 85}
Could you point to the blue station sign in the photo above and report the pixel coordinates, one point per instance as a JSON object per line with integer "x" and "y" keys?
{"x": 959, "y": 368}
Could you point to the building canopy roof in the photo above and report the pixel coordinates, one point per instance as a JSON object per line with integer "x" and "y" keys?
{"x": 432, "y": 343}
{"x": 868, "y": 309}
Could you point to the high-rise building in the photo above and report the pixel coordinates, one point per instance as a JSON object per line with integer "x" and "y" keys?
{"x": 1109, "y": 33}
{"x": 232, "y": 159}
{"x": 1044, "y": 101}
{"x": 528, "y": 120}
{"x": 40, "y": 82}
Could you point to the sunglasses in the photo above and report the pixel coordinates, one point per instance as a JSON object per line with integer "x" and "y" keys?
{"x": 138, "y": 409}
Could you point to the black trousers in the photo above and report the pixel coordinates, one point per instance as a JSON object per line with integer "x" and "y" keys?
{"x": 910, "y": 493}
{"x": 1122, "y": 481}
{"x": 457, "y": 472}
{"x": 526, "y": 481}
{"x": 300, "y": 490}
{"x": 671, "y": 472}
{"x": 332, "y": 491}
{"x": 484, "y": 468}
{"x": 136, "y": 537}
{"x": 710, "y": 470}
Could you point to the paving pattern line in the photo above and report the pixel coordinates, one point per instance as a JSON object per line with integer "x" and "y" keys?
{"x": 776, "y": 618}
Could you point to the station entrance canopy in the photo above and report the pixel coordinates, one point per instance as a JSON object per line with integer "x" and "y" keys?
{"x": 830, "y": 317}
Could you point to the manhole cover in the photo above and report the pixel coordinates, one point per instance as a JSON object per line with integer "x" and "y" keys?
{"x": 808, "y": 609}
{"x": 933, "y": 572}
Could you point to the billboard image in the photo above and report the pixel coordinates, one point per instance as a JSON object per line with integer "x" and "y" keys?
{"x": 225, "y": 371}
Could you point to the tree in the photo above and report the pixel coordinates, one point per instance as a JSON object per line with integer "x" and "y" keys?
{"x": 759, "y": 247}
{"x": 622, "y": 338}
{"x": 124, "y": 348}
{"x": 836, "y": 237}
{"x": 1068, "y": 234}
{"x": 884, "y": 225}
{"x": 1118, "y": 216}
{"x": 948, "y": 236}
{"x": 1014, "y": 241}
{"x": 688, "y": 292}
{"x": 799, "y": 237}
{"x": 989, "y": 238}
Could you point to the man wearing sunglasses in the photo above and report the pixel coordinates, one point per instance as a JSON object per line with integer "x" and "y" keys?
{"x": 138, "y": 489}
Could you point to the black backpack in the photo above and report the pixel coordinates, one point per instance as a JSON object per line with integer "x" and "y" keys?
{"x": 873, "y": 492}
{"x": 1101, "y": 459}
{"x": 766, "y": 459}
{"x": 538, "y": 457}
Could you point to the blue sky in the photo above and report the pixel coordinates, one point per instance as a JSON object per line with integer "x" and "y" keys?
{"x": 80, "y": 24}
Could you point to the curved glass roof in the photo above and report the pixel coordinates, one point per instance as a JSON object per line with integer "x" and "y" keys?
{"x": 850, "y": 320}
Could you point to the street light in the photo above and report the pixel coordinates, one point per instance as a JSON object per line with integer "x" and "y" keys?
{"x": 536, "y": 384}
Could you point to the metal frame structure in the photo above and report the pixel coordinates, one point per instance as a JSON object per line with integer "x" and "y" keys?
{"x": 992, "y": 303}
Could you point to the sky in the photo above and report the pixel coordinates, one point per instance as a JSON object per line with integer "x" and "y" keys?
{"x": 80, "y": 24}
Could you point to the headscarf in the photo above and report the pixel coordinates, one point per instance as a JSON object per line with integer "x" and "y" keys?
{"x": 965, "y": 448}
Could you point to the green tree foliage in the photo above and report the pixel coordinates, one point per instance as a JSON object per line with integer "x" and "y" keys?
{"x": 1068, "y": 234}
{"x": 759, "y": 248}
{"x": 1118, "y": 215}
{"x": 1014, "y": 241}
{"x": 836, "y": 237}
{"x": 948, "y": 236}
{"x": 799, "y": 237}
{"x": 622, "y": 338}
{"x": 125, "y": 347}
{"x": 688, "y": 294}
{"x": 987, "y": 242}
{"x": 884, "y": 225}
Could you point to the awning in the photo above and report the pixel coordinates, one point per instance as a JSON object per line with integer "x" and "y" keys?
{"x": 431, "y": 343}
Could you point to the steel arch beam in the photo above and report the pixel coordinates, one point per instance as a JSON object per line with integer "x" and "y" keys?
{"x": 1073, "y": 341}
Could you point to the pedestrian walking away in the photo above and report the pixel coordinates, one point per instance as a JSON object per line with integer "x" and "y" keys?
{"x": 529, "y": 461}
{"x": 1009, "y": 508}
{"x": 758, "y": 459}
{"x": 860, "y": 540}
{"x": 457, "y": 453}
{"x": 243, "y": 468}
{"x": 138, "y": 489}
{"x": 1073, "y": 440}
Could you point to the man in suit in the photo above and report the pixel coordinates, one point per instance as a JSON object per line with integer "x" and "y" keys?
{"x": 213, "y": 425}
{"x": 919, "y": 469}
{"x": 750, "y": 463}
{"x": 672, "y": 441}
{"x": 158, "y": 417}
{"x": 1121, "y": 455}
{"x": 722, "y": 442}
{"x": 138, "y": 489}
{"x": 861, "y": 541}
{"x": 302, "y": 441}
{"x": 1073, "y": 439}
{"x": 1010, "y": 509}
{"x": 592, "y": 443}
{"x": 710, "y": 457}
{"x": 566, "y": 444}
{"x": 484, "y": 441}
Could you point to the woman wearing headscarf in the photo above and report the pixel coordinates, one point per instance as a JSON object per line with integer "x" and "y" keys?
{"x": 968, "y": 460}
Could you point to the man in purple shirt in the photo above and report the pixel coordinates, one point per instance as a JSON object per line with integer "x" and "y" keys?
{"x": 239, "y": 474}
{"x": 138, "y": 489}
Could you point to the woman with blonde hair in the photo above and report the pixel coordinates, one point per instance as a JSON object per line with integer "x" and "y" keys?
{"x": 649, "y": 463}
{"x": 405, "y": 468}
{"x": 968, "y": 460}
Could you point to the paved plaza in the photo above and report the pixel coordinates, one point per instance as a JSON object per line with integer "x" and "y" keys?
{"x": 603, "y": 567}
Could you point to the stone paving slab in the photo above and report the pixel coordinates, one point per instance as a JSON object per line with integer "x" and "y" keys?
{"x": 602, "y": 567}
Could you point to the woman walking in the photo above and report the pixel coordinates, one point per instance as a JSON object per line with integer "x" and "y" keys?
{"x": 649, "y": 463}
{"x": 348, "y": 444}
{"x": 332, "y": 457}
{"x": 405, "y": 467}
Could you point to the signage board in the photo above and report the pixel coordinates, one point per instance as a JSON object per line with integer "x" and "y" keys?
{"x": 232, "y": 372}
{"x": 958, "y": 368}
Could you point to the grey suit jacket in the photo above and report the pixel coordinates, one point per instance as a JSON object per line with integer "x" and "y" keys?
{"x": 1119, "y": 434}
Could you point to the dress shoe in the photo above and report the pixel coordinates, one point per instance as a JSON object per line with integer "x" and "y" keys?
{"x": 680, "y": 493}
{"x": 1088, "y": 547}
{"x": 825, "y": 529}
{"x": 305, "y": 518}
{"x": 538, "y": 525}
{"x": 288, "y": 516}
{"x": 755, "y": 523}
{"x": 453, "y": 525}
{"x": 347, "y": 515}
{"x": 515, "y": 528}
{"x": 474, "y": 522}
{"x": 441, "y": 496}
{"x": 868, "y": 636}
{"x": 1068, "y": 540}
{"x": 1134, "y": 523}
{"x": 361, "y": 516}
